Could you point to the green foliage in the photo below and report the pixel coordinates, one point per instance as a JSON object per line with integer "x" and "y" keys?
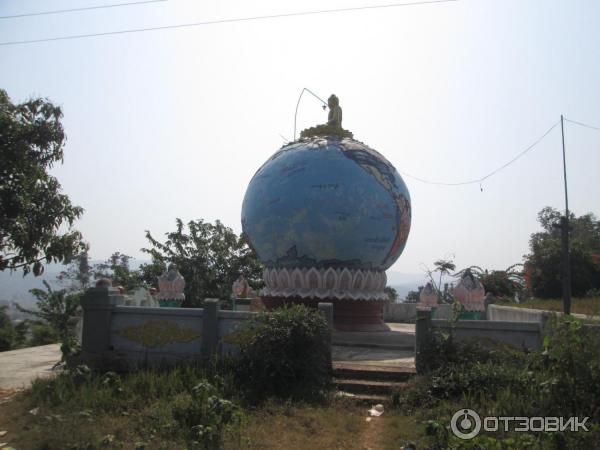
{"x": 181, "y": 404}
{"x": 207, "y": 416}
{"x": 209, "y": 256}
{"x": 442, "y": 267}
{"x": 545, "y": 259}
{"x": 285, "y": 354}
{"x": 8, "y": 335}
{"x": 413, "y": 296}
{"x": 57, "y": 313}
{"x": 79, "y": 273}
{"x": 42, "y": 334}
{"x": 117, "y": 269}
{"x": 391, "y": 293}
{"x": 32, "y": 207}
{"x": 500, "y": 283}
{"x": 560, "y": 380}
{"x": 21, "y": 332}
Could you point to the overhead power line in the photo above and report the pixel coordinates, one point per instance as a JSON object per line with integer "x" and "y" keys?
{"x": 493, "y": 172}
{"x": 583, "y": 124}
{"x": 220, "y": 21}
{"x": 88, "y": 8}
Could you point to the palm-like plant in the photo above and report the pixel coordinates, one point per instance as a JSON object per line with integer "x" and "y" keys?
{"x": 500, "y": 283}
{"x": 443, "y": 267}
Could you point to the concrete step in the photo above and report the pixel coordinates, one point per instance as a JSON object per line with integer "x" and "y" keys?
{"x": 367, "y": 399}
{"x": 357, "y": 371}
{"x": 385, "y": 346}
{"x": 370, "y": 387}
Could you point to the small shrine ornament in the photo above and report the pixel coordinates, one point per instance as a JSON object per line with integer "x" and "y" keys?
{"x": 170, "y": 288}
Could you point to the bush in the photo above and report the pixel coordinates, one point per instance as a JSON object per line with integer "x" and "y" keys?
{"x": 43, "y": 334}
{"x": 560, "y": 380}
{"x": 285, "y": 354}
{"x": 8, "y": 335}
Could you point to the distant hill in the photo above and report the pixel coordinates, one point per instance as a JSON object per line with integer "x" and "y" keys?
{"x": 14, "y": 287}
{"x": 405, "y": 282}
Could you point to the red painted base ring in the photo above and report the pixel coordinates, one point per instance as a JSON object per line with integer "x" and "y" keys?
{"x": 348, "y": 315}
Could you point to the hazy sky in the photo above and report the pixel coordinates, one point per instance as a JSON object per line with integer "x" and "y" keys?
{"x": 174, "y": 123}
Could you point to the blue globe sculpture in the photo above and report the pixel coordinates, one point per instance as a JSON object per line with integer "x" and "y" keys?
{"x": 327, "y": 203}
{"x": 327, "y": 217}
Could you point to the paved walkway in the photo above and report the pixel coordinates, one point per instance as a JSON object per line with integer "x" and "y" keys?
{"x": 18, "y": 368}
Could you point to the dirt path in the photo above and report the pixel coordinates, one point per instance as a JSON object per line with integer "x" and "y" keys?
{"x": 371, "y": 437}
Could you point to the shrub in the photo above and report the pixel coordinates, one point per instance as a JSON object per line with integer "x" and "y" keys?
{"x": 180, "y": 404}
{"x": 285, "y": 354}
{"x": 43, "y": 334}
{"x": 560, "y": 380}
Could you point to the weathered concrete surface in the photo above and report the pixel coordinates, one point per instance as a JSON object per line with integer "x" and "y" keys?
{"x": 520, "y": 334}
{"x": 394, "y": 348}
{"x": 373, "y": 356}
{"x": 407, "y": 312}
{"x": 401, "y": 336}
{"x": 18, "y": 368}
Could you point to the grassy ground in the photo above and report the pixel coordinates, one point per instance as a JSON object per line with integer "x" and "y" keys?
{"x": 339, "y": 425}
{"x": 589, "y": 306}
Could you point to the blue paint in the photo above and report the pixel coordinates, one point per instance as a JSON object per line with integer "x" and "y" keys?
{"x": 338, "y": 205}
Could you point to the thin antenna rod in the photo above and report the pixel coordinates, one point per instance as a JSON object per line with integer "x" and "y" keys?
{"x": 298, "y": 104}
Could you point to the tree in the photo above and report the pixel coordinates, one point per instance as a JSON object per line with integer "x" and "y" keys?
{"x": 7, "y": 330}
{"x": 414, "y": 296}
{"x": 79, "y": 273}
{"x": 544, "y": 263}
{"x": 443, "y": 267}
{"x": 57, "y": 309}
{"x": 209, "y": 256}
{"x": 391, "y": 293}
{"x": 118, "y": 270}
{"x": 500, "y": 283}
{"x": 32, "y": 207}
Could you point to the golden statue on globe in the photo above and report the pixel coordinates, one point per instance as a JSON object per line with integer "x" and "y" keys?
{"x": 333, "y": 127}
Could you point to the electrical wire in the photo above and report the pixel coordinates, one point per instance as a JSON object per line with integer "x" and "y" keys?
{"x": 88, "y": 8}
{"x": 582, "y": 124}
{"x": 492, "y": 173}
{"x": 220, "y": 21}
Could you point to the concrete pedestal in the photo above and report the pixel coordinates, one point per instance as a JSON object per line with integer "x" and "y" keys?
{"x": 348, "y": 315}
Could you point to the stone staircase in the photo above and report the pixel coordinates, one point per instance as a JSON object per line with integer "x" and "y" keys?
{"x": 370, "y": 383}
{"x": 370, "y": 367}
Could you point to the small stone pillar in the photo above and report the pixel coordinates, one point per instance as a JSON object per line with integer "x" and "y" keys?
{"x": 210, "y": 327}
{"x": 98, "y": 304}
{"x": 422, "y": 335}
{"x": 327, "y": 310}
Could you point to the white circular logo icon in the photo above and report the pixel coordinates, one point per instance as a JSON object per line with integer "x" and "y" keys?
{"x": 465, "y": 424}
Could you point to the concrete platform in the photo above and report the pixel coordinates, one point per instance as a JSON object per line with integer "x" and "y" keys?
{"x": 18, "y": 368}
{"x": 393, "y": 348}
{"x": 373, "y": 357}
